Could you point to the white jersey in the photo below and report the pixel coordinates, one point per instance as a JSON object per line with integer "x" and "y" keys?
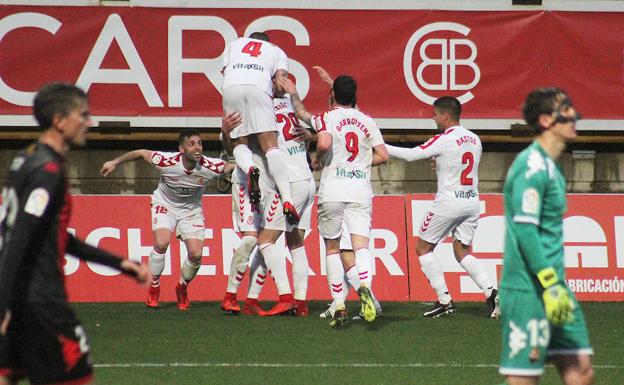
{"x": 346, "y": 171}
{"x": 251, "y": 61}
{"x": 295, "y": 152}
{"x": 457, "y": 152}
{"x": 178, "y": 187}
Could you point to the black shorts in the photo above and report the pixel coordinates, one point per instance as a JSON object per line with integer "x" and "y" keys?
{"x": 46, "y": 344}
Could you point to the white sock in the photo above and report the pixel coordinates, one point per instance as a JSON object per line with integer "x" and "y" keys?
{"x": 335, "y": 278}
{"x": 279, "y": 172}
{"x": 300, "y": 269}
{"x": 476, "y": 272}
{"x": 276, "y": 263}
{"x": 353, "y": 277}
{"x": 243, "y": 157}
{"x": 258, "y": 273}
{"x": 434, "y": 274}
{"x": 363, "y": 261}
{"x": 156, "y": 265}
{"x": 238, "y": 266}
{"x": 188, "y": 271}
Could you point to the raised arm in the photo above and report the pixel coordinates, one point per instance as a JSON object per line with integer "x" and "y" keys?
{"x": 289, "y": 87}
{"x": 110, "y": 165}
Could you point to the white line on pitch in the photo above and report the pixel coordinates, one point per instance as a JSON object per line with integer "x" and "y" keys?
{"x": 319, "y": 365}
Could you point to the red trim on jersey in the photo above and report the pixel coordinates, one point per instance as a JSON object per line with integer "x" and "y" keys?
{"x": 449, "y": 131}
{"x": 164, "y": 161}
{"x": 430, "y": 141}
{"x": 13, "y": 373}
{"x": 51, "y": 167}
{"x": 323, "y": 127}
{"x": 79, "y": 381}
{"x": 218, "y": 167}
{"x": 71, "y": 352}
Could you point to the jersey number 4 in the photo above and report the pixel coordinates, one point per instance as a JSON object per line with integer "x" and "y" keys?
{"x": 252, "y": 48}
{"x": 468, "y": 160}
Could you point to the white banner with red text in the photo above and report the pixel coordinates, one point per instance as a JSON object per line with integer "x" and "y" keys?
{"x": 593, "y": 231}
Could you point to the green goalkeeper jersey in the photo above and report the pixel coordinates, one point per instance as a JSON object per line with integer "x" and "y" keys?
{"x": 535, "y": 202}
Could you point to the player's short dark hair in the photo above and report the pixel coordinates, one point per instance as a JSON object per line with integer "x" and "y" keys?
{"x": 345, "y": 89}
{"x": 544, "y": 101}
{"x": 187, "y": 133}
{"x": 450, "y": 105}
{"x": 259, "y": 36}
{"x": 56, "y": 99}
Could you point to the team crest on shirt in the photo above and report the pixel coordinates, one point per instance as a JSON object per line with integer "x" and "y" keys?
{"x": 250, "y": 220}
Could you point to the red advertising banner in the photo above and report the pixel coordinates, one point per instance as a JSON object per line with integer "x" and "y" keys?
{"x": 122, "y": 224}
{"x": 164, "y": 63}
{"x": 593, "y": 246}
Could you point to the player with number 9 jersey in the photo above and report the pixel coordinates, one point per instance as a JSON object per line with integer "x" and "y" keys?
{"x": 347, "y": 167}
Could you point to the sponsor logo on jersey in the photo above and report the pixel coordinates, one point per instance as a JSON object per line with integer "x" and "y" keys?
{"x": 530, "y": 201}
{"x": 296, "y": 149}
{"x": 351, "y": 174}
{"x": 156, "y": 159}
{"x": 465, "y": 194}
{"x": 244, "y": 66}
{"x": 37, "y": 202}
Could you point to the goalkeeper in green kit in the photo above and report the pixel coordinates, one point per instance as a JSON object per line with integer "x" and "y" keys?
{"x": 541, "y": 319}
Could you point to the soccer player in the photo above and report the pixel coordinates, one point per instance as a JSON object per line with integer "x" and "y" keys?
{"x": 40, "y": 337}
{"x": 176, "y": 205}
{"x": 364, "y": 261}
{"x": 542, "y": 321}
{"x": 293, "y": 142}
{"x": 349, "y": 144}
{"x": 457, "y": 152}
{"x": 250, "y": 66}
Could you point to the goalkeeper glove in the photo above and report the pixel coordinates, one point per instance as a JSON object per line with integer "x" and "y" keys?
{"x": 557, "y": 301}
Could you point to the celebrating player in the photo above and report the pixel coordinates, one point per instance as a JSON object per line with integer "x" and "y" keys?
{"x": 250, "y": 66}
{"x": 457, "y": 152}
{"x": 176, "y": 205}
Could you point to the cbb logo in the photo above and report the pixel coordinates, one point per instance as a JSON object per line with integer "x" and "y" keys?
{"x": 447, "y": 61}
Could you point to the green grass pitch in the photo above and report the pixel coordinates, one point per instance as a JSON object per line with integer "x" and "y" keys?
{"x": 134, "y": 345}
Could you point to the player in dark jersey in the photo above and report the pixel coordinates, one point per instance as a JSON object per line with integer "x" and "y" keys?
{"x": 40, "y": 337}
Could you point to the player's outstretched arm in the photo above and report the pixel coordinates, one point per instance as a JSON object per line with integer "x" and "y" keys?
{"x": 82, "y": 250}
{"x": 5, "y": 323}
{"x": 109, "y": 166}
{"x": 380, "y": 154}
{"x": 325, "y": 77}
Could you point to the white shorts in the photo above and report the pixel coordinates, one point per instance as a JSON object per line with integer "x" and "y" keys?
{"x": 188, "y": 224}
{"x": 356, "y": 216}
{"x": 245, "y": 216}
{"x": 303, "y": 196}
{"x": 255, "y": 107}
{"x": 436, "y": 227}
{"x": 345, "y": 239}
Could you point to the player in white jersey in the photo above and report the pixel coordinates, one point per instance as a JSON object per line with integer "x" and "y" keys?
{"x": 176, "y": 205}
{"x": 457, "y": 153}
{"x": 292, "y": 141}
{"x": 364, "y": 260}
{"x": 349, "y": 144}
{"x": 250, "y": 66}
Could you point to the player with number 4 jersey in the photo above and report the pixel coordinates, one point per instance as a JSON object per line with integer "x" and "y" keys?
{"x": 457, "y": 153}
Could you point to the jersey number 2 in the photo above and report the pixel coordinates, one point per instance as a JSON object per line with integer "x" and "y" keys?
{"x": 289, "y": 121}
{"x": 468, "y": 160}
{"x": 252, "y": 48}
{"x": 352, "y": 144}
